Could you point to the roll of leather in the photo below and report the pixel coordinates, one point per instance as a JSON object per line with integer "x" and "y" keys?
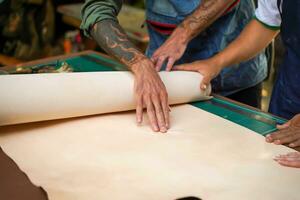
{"x": 39, "y": 97}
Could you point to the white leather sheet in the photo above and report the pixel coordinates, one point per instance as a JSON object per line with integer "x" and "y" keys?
{"x": 109, "y": 157}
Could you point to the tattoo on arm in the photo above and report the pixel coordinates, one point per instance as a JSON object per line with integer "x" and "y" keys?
{"x": 206, "y": 14}
{"x": 111, "y": 37}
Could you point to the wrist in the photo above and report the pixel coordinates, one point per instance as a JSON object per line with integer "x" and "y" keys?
{"x": 216, "y": 63}
{"x": 181, "y": 35}
{"x": 141, "y": 65}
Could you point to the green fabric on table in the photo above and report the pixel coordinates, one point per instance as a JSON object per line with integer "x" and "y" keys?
{"x": 256, "y": 121}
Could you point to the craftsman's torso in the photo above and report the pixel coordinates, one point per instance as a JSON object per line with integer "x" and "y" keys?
{"x": 170, "y": 13}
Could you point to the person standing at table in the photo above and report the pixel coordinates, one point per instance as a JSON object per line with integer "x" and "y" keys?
{"x": 272, "y": 17}
{"x": 180, "y": 32}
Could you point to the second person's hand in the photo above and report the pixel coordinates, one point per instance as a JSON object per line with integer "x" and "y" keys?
{"x": 207, "y": 68}
{"x": 288, "y": 133}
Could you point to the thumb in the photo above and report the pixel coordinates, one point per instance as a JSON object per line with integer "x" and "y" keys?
{"x": 185, "y": 67}
{"x": 205, "y": 82}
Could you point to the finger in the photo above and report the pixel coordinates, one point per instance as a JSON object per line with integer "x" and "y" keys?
{"x": 269, "y": 138}
{"x": 278, "y": 135}
{"x": 294, "y": 154}
{"x": 159, "y": 114}
{"x": 288, "y": 138}
{"x": 289, "y": 157}
{"x": 160, "y": 62}
{"x": 290, "y": 160}
{"x": 185, "y": 67}
{"x": 151, "y": 113}
{"x": 295, "y": 143}
{"x": 294, "y": 164}
{"x": 283, "y": 126}
{"x": 170, "y": 64}
{"x": 139, "y": 110}
{"x": 166, "y": 109}
{"x": 153, "y": 59}
{"x": 156, "y": 54}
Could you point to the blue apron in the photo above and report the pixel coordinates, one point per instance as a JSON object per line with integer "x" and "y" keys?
{"x": 211, "y": 41}
{"x": 285, "y": 100}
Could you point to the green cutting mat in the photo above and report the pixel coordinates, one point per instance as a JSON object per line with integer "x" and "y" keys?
{"x": 259, "y": 122}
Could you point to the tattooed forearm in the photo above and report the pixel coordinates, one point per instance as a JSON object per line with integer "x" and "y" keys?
{"x": 111, "y": 37}
{"x": 206, "y": 14}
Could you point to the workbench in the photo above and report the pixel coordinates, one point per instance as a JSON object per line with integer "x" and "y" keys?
{"x": 130, "y": 18}
{"x": 260, "y": 122}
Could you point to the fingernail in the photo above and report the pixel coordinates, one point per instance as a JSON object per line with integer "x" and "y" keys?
{"x": 163, "y": 130}
{"x": 277, "y": 142}
{"x": 269, "y": 139}
{"x": 277, "y": 157}
{"x": 204, "y": 87}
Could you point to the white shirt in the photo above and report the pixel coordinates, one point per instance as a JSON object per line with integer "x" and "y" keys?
{"x": 268, "y": 13}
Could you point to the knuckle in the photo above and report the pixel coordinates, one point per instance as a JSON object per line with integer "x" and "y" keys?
{"x": 164, "y": 95}
{"x": 159, "y": 112}
{"x": 161, "y": 58}
{"x": 150, "y": 109}
{"x": 163, "y": 92}
{"x": 154, "y": 95}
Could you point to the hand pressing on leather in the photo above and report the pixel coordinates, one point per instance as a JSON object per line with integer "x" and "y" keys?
{"x": 288, "y": 133}
{"x": 208, "y": 68}
{"x": 151, "y": 93}
{"x": 289, "y": 160}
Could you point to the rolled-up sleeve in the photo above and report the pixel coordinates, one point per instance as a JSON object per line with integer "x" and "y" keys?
{"x": 94, "y": 11}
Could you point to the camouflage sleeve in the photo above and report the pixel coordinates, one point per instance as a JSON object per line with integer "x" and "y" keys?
{"x": 94, "y": 11}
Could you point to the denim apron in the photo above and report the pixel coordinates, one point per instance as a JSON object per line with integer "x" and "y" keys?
{"x": 285, "y": 100}
{"x": 209, "y": 42}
